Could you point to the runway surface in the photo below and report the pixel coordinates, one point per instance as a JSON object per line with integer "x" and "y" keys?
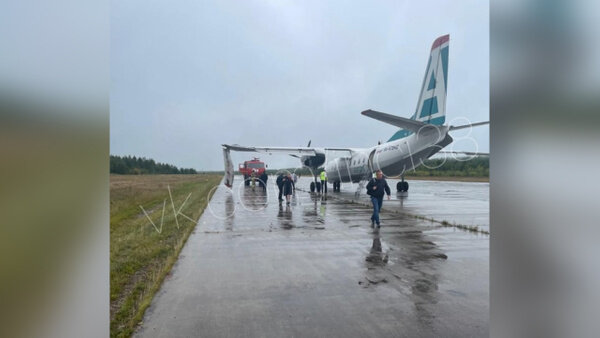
{"x": 465, "y": 203}
{"x": 253, "y": 267}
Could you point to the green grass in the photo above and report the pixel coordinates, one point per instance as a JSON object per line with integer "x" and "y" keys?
{"x": 140, "y": 256}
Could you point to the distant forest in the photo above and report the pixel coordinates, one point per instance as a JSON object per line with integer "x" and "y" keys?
{"x": 131, "y": 165}
{"x": 475, "y": 167}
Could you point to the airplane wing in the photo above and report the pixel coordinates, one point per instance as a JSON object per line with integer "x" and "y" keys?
{"x": 295, "y": 152}
{"x": 292, "y": 151}
{"x": 397, "y": 121}
{"x": 282, "y": 150}
{"x": 340, "y": 149}
{"x": 329, "y": 149}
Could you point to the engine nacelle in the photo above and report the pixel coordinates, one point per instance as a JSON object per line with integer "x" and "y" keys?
{"x": 313, "y": 162}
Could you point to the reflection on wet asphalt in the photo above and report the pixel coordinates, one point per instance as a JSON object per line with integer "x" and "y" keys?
{"x": 255, "y": 267}
{"x": 465, "y": 203}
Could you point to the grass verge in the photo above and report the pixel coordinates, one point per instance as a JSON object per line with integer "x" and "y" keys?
{"x": 141, "y": 255}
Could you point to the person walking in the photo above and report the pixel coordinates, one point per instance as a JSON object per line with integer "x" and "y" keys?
{"x": 324, "y": 181}
{"x": 263, "y": 180}
{"x": 293, "y": 183}
{"x": 279, "y": 182}
{"x": 253, "y": 178}
{"x": 376, "y": 188}
{"x": 288, "y": 186}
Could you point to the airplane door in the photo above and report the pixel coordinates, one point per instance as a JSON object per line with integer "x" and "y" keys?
{"x": 371, "y": 156}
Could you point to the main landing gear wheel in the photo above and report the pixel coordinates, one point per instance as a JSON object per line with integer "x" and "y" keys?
{"x": 312, "y": 186}
{"x": 246, "y": 180}
{"x": 336, "y": 186}
{"x": 402, "y": 186}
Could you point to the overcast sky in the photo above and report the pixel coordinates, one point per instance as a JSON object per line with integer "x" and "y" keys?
{"x": 187, "y": 76}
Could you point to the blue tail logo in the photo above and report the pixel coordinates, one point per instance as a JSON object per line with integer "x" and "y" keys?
{"x": 431, "y": 106}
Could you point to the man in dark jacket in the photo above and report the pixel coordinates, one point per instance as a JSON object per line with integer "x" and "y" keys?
{"x": 263, "y": 180}
{"x": 279, "y": 182}
{"x": 376, "y": 188}
{"x": 288, "y": 186}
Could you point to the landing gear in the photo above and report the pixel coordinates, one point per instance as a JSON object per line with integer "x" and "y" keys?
{"x": 402, "y": 186}
{"x": 312, "y": 186}
{"x": 246, "y": 180}
{"x": 336, "y": 186}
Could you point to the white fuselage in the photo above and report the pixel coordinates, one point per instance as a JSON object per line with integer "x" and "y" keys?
{"x": 393, "y": 158}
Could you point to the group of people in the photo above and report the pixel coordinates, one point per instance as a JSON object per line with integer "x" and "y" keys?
{"x": 376, "y": 189}
{"x": 262, "y": 179}
{"x": 287, "y": 186}
{"x": 285, "y": 183}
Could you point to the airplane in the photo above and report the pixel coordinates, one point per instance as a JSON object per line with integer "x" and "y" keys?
{"x": 420, "y": 137}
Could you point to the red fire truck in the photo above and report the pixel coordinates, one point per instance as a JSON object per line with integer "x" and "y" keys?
{"x": 254, "y": 165}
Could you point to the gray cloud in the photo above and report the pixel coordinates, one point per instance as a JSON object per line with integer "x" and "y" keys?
{"x": 187, "y": 76}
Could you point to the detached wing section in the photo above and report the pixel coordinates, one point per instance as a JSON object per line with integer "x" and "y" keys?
{"x": 228, "y": 179}
{"x": 397, "y": 121}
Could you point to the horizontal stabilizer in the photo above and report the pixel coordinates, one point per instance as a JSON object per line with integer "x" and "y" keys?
{"x": 464, "y": 153}
{"x": 469, "y": 125}
{"x": 397, "y": 121}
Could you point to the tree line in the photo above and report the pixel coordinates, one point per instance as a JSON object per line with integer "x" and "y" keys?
{"x": 474, "y": 167}
{"x": 131, "y": 165}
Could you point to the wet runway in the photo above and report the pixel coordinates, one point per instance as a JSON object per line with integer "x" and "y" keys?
{"x": 465, "y": 203}
{"x": 314, "y": 268}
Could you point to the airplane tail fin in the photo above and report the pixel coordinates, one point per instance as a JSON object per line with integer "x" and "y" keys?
{"x": 431, "y": 106}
